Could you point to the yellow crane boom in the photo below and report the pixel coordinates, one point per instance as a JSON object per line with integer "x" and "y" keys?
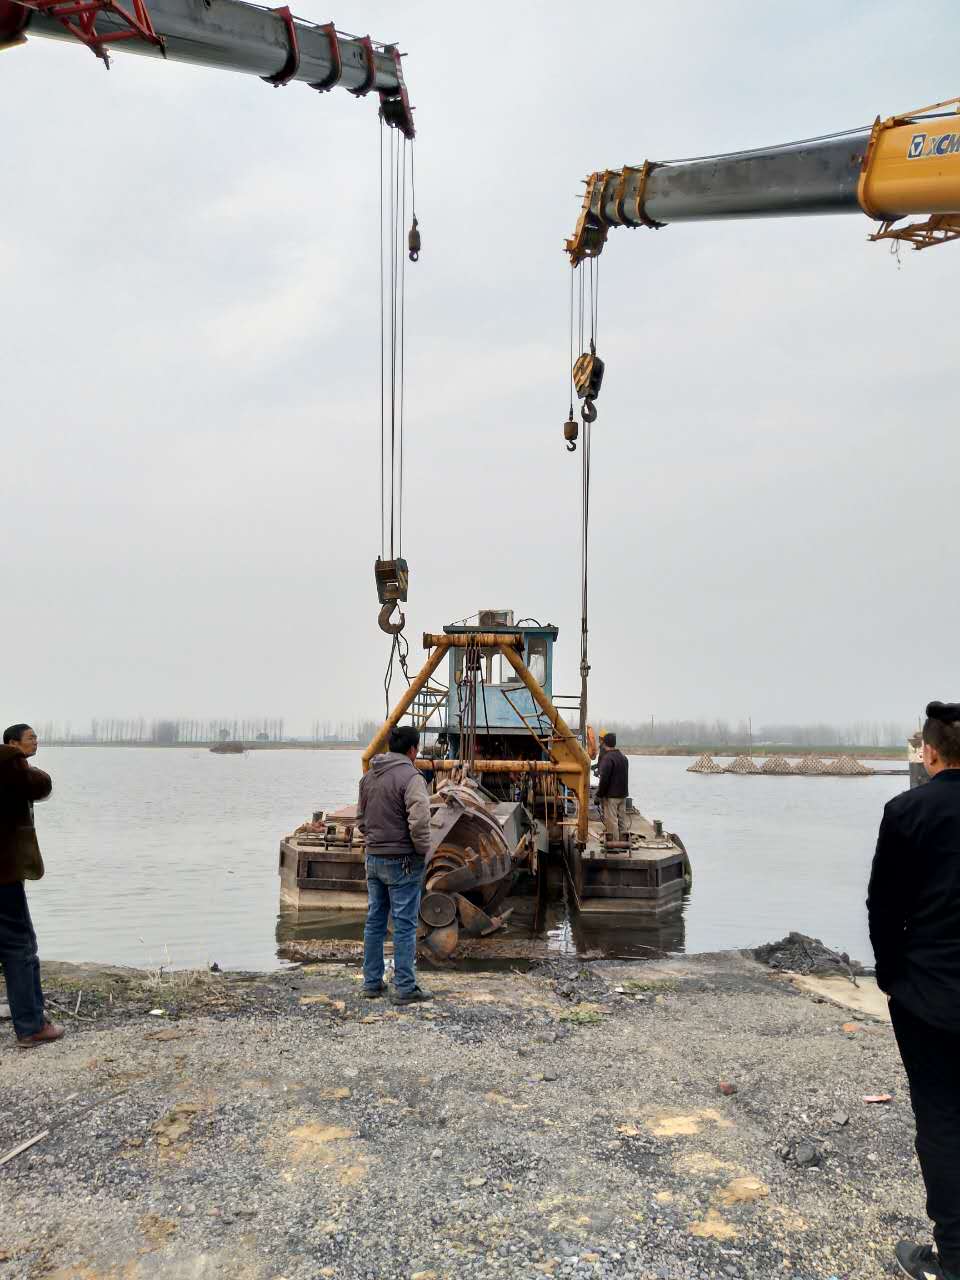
{"x": 904, "y": 166}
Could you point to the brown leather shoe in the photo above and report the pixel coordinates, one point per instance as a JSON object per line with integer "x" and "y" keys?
{"x": 49, "y": 1032}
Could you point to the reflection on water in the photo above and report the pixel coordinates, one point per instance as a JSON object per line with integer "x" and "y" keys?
{"x": 559, "y": 929}
{"x": 171, "y": 856}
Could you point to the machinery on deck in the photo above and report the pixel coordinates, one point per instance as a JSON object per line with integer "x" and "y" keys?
{"x": 905, "y": 166}
{"x": 229, "y": 35}
{"x": 511, "y": 812}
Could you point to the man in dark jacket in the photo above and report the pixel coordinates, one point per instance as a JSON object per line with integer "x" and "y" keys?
{"x": 20, "y": 786}
{"x": 613, "y": 788}
{"x": 393, "y": 816}
{"x": 914, "y": 913}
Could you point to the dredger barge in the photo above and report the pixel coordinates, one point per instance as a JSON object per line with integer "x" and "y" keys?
{"x": 511, "y": 808}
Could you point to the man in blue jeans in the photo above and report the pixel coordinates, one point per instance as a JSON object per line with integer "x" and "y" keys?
{"x": 393, "y": 816}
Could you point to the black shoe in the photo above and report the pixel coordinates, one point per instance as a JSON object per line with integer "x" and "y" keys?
{"x": 416, "y": 996}
{"x": 919, "y": 1261}
{"x": 374, "y": 993}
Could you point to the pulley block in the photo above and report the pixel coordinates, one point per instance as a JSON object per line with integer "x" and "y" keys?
{"x": 571, "y": 430}
{"x": 413, "y": 240}
{"x": 587, "y": 381}
{"x": 392, "y": 579}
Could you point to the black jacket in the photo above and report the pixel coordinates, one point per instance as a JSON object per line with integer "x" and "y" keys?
{"x": 20, "y": 786}
{"x": 913, "y": 901}
{"x": 613, "y": 779}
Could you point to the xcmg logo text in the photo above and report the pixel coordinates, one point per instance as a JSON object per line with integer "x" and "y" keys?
{"x": 944, "y": 144}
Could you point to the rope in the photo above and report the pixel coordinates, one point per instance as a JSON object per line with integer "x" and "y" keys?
{"x": 780, "y": 146}
{"x": 382, "y": 423}
{"x": 589, "y": 301}
{"x": 573, "y": 270}
{"x": 403, "y": 307}
{"x": 393, "y": 179}
{"x": 399, "y": 651}
{"x": 393, "y": 335}
{"x": 393, "y": 207}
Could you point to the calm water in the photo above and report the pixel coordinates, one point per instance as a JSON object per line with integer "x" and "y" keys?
{"x": 170, "y": 856}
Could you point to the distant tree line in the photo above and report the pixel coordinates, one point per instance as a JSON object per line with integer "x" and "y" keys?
{"x": 646, "y": 733}
{"x": 170, "y": 732}
{"x": 707, "y": 733}
{"x": 347, "y": 731}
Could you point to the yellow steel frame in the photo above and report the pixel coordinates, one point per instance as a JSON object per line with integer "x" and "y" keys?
{"x": 567, "y": 756}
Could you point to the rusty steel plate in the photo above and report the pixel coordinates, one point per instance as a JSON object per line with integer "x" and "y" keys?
{"x": 442, "y": 942}
{"x": 438, "y": 910}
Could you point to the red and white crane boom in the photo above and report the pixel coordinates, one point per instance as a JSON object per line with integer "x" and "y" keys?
{"x": 229, "y": 35}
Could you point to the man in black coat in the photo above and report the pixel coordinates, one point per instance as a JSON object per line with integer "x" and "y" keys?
{"x": 20, "y": 786}
{"x": 914, "y": 914}
{"x": 613, "y": 787}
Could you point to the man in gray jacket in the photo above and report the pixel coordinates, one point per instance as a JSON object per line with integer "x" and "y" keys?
{"x": 393, "y": 816}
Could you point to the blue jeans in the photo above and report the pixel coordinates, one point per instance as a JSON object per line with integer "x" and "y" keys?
{"x": 21, "y": 964}
{"x": 393, "y": 888}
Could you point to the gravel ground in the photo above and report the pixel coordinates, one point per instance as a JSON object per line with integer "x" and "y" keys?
{"x": 681, "y": 1120}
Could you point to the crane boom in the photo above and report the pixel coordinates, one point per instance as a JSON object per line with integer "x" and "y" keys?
{"x": 903, "y": 166}
{"x": 229, "y": 35}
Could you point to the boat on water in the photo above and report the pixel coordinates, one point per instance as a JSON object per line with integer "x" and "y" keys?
{"x": 512, "y": 810}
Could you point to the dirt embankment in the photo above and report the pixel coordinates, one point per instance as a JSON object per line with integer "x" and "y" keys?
{"x": 671, "y": 1121}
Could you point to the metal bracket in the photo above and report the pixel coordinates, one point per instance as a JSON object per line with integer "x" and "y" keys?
{"x": 79, "y": 18}
{"x": 292, "y": 64}
{"x": 361, "y": 91}
{"x": 335, "y": 74}
{"x": 940, "y": 228}
{"x": 646, "y": 169}
{"x": 395, "y": 109}
{"x": 593, "y": 224}
{"x": 590, "y": 235}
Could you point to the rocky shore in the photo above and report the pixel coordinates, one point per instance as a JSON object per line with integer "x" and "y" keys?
{"x": 676, "y": 1120}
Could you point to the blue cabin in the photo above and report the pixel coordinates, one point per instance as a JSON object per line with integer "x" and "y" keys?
{"x": 504, "y": 705}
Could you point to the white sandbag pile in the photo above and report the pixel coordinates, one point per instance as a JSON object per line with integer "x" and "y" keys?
{"x": 742, "y": 764}
{"x": 849, "y": 767}
{"x": 777, "y": 765}
{"x": 704, "y": 764}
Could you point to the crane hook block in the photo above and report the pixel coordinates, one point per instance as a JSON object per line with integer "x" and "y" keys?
{"x": 391, "y": 628}
{"x": 570, "y": 432}
{"x": 588, "y": 375}
{"x": 392, "y": 578}
{"x": 413, "y": 240}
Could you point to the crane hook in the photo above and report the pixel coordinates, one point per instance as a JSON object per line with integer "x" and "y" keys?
{"x": 391, "y": 628}
{"x": 570, "y": 432}
{"x": 413, "y": 240}
{"x": 589, "y": 411}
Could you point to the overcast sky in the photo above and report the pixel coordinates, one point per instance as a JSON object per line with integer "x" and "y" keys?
{"x": 189, "y": 402}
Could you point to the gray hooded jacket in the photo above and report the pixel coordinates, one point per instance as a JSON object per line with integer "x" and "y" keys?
{"x": 393, "y": 814}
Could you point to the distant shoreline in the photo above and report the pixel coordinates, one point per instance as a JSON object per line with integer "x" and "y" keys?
{"x": 862, "y": 753}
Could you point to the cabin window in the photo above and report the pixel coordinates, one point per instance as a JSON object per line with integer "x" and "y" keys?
{"x": 537, "y": 658}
